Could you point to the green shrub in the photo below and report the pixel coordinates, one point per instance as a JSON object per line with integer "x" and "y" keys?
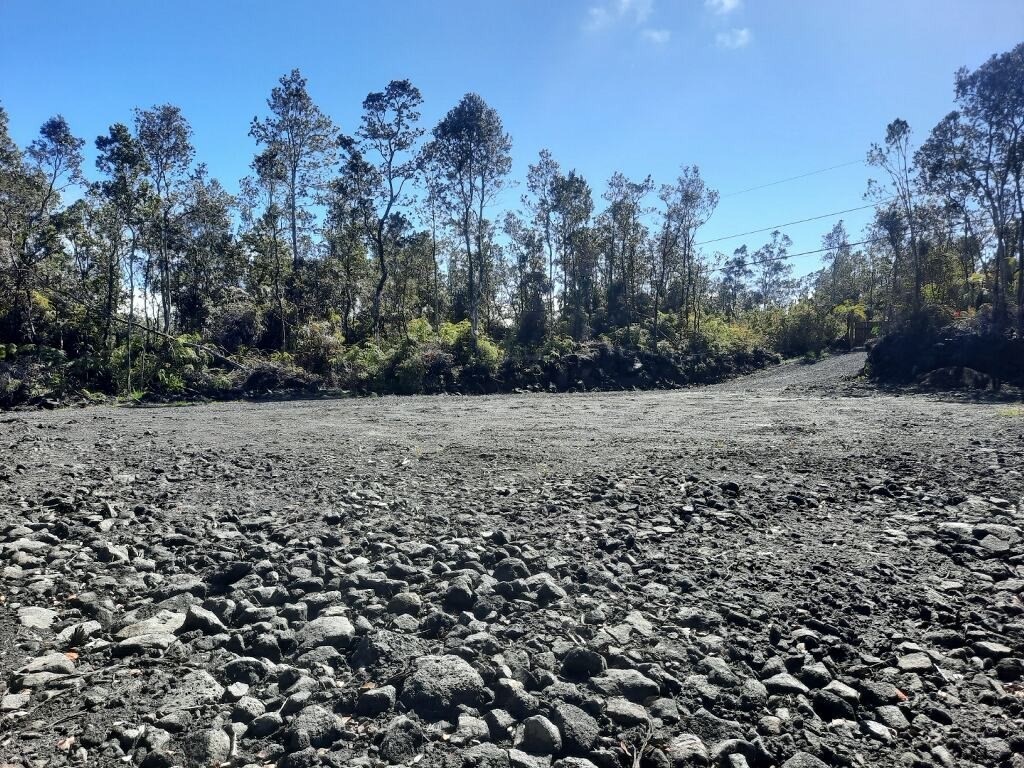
{"x": 420, "y": 330}
{"x": 318, "y": 348}
{"x": 236, "y": 323}
{"x": 409, "y": 371}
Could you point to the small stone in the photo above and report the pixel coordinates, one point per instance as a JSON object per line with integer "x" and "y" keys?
{"x": 804, "y": 760}
{"x": 315, "y": 724}
{"x": 247, "y": 709}
{"x": 583, "y": 663}
{"x": 376, "y": 701}
{"x": 336, "y": 631}
{"x": 205, "y": 621}
{"x": 265, "y": 724}
{"x": 441, "y": 683}
{"x": 625, "y": 712}
{"x": 407, "y": 603}
{"x": 892, "y": 717}
{"x": 540, "y": 736}
{"x": 14, "y": 701}
{"x": 914, "y": 662}
{"x": 36, "y": 618}
{"x": 402, "y": 740}
{"x": 209, "y": 747}
{"x": 578, "y": 729}
{"x": 626, "y": 682}
{"x": 991, "y": 650}
{"x": 876, "y": 730}
{"x": 687, "y": 750}
{"x": 784, "y": 683}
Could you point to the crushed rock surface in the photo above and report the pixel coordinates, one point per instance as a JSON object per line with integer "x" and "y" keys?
{"x": 790, "y": 569}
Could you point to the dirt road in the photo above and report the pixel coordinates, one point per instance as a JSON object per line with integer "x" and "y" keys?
{"x": 782, "y": 569}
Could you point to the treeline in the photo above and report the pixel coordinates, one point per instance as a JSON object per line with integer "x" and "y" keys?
{"x": 383, "y": 252}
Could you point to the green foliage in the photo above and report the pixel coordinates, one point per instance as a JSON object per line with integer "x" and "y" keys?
{"x": 236, "y": 324}
{"x": 318, "y": 348}
{"x": 420, "y": 330}
{"x": 807, "y": 330}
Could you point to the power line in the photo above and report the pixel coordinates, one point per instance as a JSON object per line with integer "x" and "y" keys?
{"x": 880, "y": 238}
{"x": 791, "y": 223}
{"x": 793, "y": 178}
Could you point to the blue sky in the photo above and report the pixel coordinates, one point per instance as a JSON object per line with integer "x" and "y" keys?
{"x": 751, "y": 91}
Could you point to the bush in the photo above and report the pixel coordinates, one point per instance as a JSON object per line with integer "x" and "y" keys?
{"x": 318, "y": 348}
{"x": 236, "y": 323}
{"x": 805, "y": 331}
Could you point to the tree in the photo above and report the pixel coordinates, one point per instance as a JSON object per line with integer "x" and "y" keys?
{"x": 473, "y": 155}
{"x": 687, "y": 206}
{"x": 265, "y": 220}
{"x": 125, "y": 192}
{"x": 389, "y": 132}
{"x": 895, "y": 159}
{"x": 33, "y": 184}
{"x": 625, "y": 236}
{"x": 303, "y": 140}
{"x": 773, "y": 270}
{"x": 165, "y": 138}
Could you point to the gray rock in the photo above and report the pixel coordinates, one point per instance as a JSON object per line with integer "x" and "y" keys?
{"x": 36, "y": 618}
{"x": 784, "y": 683}
{"x": 583, "y": 663}
{"x": 336, "y": 631}
{"x": 540, "y": 736}
{"x": 686, "y": 750}
{"x": 804, "y": 760}
{"x": 830, "y": 706}
{"x": 407, "y": 603}
{"x": 485, "y": 756}
{"x": 57, "y": 663}
{"x": 315, "y": 724}
{"x": 403, "y": 738}
{"x": 469, "y": 729}
{"x": 892, "y": 717}
{"x": 376, "y": 701}
{"x": 203, "y": 620}
{"x": 247, "y": 709}
{"x": 14, "y": 701}
{"x": 625, "y": 682}
{"x": 579, "y": 731}
{"x": 265, "y": 724}
{"x": 209, "y": 747}
{"x": 625, "y": 712}
{"x": 441, "y": 683}
{"x": 519, "y": 759}
{"x": 156, "y": 641}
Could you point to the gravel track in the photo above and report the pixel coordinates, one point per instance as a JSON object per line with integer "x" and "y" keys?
{"x": 785, "y": 569}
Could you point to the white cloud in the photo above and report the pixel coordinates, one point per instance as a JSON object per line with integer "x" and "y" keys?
{"x": 657, "y": 36}
{"x": 734, "y": 38}
{"x": 722, "y": 7}
{"x": 618, "y": 11}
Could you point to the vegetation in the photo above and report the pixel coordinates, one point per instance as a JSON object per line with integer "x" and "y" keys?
{"x": 379, "y": 260}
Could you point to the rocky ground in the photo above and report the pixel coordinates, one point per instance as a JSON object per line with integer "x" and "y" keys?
{"x": 790, "y": 569}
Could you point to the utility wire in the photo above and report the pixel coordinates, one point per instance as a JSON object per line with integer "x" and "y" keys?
{"x": 756, "y": 262}
{"x": 791, "y": 223}
{"x": 793, "y": 178}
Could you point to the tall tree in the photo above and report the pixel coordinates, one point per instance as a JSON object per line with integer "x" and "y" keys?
{"x": 165, "y": 138}
{"x": 895, "y": 158}
{"x": 126, "y": 193}
{"x": 473, "y": 154}
{"x": 388, "y": 134}
{"x": 32, "y": 188}
{"x": 304, "y": 140}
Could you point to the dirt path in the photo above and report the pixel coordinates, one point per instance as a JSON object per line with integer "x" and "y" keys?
{"x": 795, "y": 565}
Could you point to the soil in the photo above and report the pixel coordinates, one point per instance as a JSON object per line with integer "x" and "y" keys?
{"x": 789, "y": 569}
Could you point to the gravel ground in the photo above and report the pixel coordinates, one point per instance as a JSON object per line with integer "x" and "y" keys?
{"x": 789, "y": 569}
